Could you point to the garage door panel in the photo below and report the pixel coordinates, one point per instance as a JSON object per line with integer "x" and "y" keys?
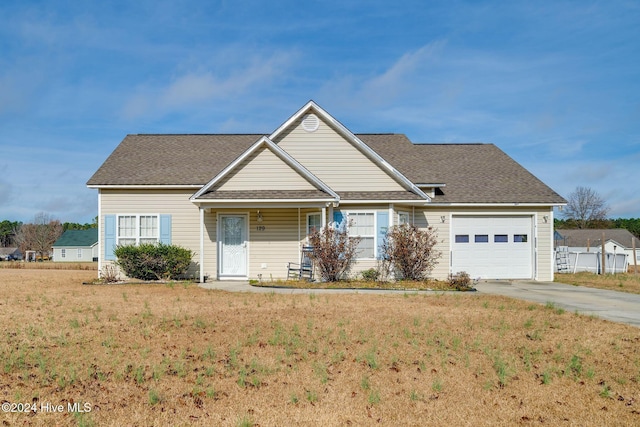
{"x": 482, "y": 254}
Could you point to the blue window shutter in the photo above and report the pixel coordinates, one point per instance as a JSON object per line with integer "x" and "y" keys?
{"x": 165, "y": 229}
{"x": 382, "y": 219}
{"x": 338, "y": 218}
{"x": 109, "y": 237}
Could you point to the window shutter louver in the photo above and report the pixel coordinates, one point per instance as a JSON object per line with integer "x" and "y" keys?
{"x": 165, "y": 229}
{"x": 109, "y": 237}
{"x": 382, "y": 220}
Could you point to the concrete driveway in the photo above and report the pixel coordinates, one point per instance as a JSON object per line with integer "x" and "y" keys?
{"x": 611, "y": 305}
{"x": 616, "y": 306}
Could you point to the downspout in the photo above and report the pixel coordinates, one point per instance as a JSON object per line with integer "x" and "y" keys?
{"x": 299, "y": 236}
{"x": 201, "y": 244}
{"x": 100, "y": 231}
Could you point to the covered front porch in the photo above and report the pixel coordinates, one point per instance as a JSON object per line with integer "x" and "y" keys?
{"x": 255, "y": 242}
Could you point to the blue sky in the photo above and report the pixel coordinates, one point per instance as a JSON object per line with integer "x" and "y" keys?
{"x": 556, "y": 85}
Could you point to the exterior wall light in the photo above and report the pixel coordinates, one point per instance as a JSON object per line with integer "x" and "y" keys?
{"x": 259, "y": 217}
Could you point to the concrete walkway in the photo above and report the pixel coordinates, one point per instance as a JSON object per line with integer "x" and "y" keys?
{"x": 615, "y": 306}
{"x": 242, "y": 286}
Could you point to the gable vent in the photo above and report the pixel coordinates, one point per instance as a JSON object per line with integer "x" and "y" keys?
{"x": 310, "y": 122}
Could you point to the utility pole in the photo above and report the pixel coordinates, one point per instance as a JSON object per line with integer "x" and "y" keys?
{"x": 604, "y": 257}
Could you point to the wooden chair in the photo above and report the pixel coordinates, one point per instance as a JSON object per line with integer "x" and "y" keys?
{"x": 303, "y": 269}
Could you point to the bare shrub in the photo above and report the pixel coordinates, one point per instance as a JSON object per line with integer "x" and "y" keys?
{"x": 109, "y": 273}
{"x": 334, "y": 252}
{"x": 410, "y": 251}
{"x": 461, "y": 281}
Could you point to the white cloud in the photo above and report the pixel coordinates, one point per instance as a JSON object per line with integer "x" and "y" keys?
{"x": 195, "y": 88}
{"x": 397, "y": 80}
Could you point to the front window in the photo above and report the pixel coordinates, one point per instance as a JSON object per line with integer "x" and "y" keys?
{"x": 403, "y": 218}
{"x": 137, "y": 229}
{"x": 362, "y": 224}
{"x": 314, "y": 223}
{"x": 79, "y": 253}
{"x": 63, "y": 253}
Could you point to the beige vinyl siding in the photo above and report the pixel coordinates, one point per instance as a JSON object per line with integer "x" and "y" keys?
{"x": 424, "y": 218}
{"x": 545, "y": 256}
{"x": 264, "y": 170}
{"x": 185, "y": 218}
{"x": 271, "y": 248}
{"x": 272, "y": 243}
{"x": 334, "y": 160}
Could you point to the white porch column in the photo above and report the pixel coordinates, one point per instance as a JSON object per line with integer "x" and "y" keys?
{"x": 324, "y": 215}
{"x": 201, "y": 244}
{"x": 390, "y": 216}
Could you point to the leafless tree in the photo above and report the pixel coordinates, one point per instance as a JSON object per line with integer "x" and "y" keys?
{"x": 39, "y": 235}
{"x": 585, "y": 206}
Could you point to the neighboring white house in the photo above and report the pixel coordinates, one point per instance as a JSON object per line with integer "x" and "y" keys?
{"x": 76, "y": 246}
{"x": 616, "y": 241}
{"x": 244, "y": 203}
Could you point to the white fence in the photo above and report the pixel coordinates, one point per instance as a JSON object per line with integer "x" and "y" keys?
{"x": 576, "y": 261}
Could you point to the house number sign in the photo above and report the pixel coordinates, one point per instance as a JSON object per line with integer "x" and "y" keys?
{"x": 261, "y": 228}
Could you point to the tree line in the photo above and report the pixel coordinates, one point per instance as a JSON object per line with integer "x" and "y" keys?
{"x": 39, "y": 234}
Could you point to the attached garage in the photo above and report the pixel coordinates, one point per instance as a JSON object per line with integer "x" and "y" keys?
{"x": 493, "y": 247}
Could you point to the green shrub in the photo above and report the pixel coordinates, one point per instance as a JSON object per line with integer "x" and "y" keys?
{"x": 370, "y": 275}
{"x": 153, "y": 262}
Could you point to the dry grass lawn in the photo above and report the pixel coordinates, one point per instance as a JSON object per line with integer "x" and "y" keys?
{"x": 628, "y": 282}
{"x": 181, "y": 355}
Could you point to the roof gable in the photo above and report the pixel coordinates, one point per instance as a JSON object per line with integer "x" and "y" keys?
{"x": 264, "y": 167}
{"x": 336, "y": 155}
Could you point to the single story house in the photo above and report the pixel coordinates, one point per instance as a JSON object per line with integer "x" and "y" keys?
{"x": 76, "y": 246}
{"x": 10, "y": 254}
{"x": 616, "y": 240}
{"x": 246, "y": 203}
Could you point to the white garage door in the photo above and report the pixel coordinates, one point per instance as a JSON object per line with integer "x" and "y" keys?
{"x": 493, "y": 247}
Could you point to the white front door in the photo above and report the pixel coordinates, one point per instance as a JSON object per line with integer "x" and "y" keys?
{"x": 233, "y": 245}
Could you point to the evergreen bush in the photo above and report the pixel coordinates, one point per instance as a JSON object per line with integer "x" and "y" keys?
{"x": 153, "y": 261}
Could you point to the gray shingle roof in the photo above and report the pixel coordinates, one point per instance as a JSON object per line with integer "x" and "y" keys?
{"x": 170, "y": 159}
{"x": 593, "y": 236}
{"x": 472, "y": 173}
{"x": 378, "y": 195}
{"x": 267, "y": 194}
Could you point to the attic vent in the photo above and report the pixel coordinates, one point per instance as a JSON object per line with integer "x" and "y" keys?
{"x": 310, "y": 122}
